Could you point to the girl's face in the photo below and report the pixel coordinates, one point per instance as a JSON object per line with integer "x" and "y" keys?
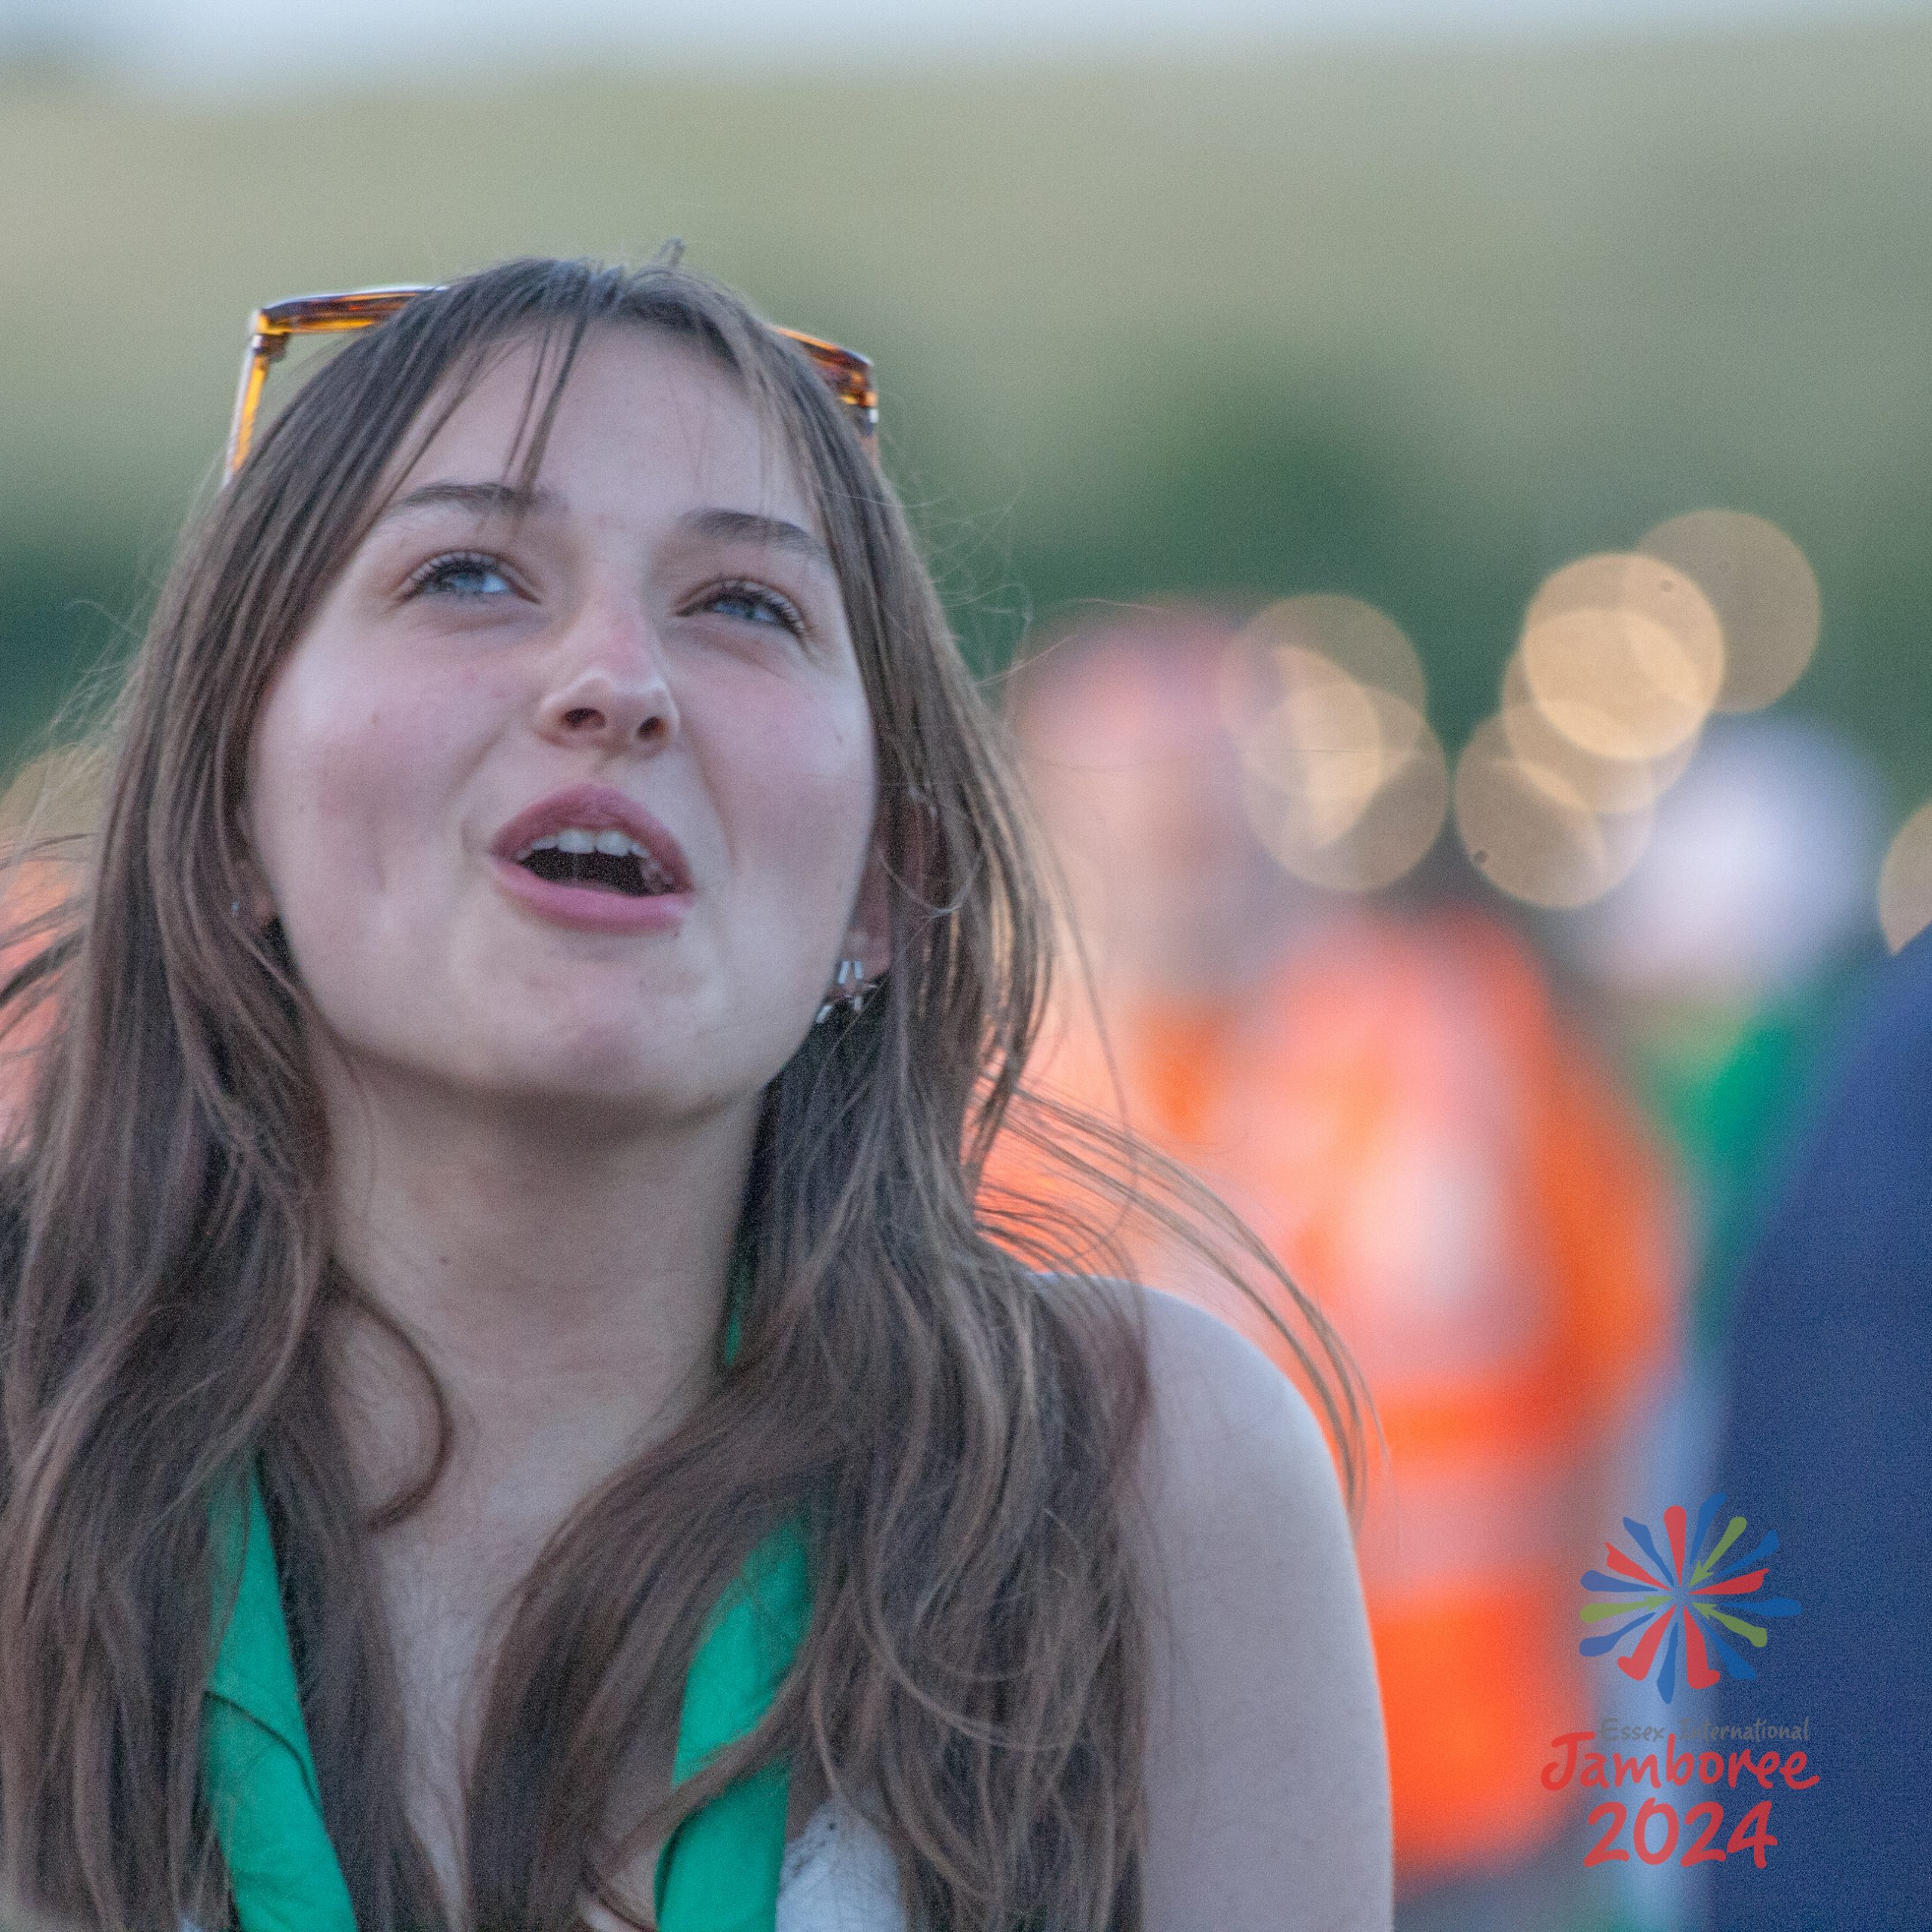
{"x": 568, "y": 799}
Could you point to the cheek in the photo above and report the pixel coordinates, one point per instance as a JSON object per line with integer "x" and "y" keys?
{"x": 343, "y": 783}
{"x": 806, "y": 794}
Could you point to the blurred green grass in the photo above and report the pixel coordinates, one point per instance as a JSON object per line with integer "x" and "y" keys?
{"x": 1420, "y": 324}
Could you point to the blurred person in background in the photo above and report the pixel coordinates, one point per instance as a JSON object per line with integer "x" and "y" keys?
{"x": 1393, "y": 1101}
{"x": 1721, "y": 959}
{"x": 1731, "y": 956}
{"x": 1826, "y": 1436}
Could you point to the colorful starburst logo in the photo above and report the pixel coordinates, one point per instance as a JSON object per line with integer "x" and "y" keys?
{"x": 1681, "y": 1605}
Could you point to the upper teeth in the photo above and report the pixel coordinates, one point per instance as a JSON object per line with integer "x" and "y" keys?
{"x": 574, "y": 839}
{"x": 577, "y": 839}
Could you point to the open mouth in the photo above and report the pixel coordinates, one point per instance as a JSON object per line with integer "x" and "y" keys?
{"x": 601, "y": 861}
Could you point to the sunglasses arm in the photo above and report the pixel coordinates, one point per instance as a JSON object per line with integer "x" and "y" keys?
{"x": 266, "y": 346}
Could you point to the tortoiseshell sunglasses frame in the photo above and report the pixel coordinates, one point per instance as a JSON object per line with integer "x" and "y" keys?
{"x": 847, "y": 373}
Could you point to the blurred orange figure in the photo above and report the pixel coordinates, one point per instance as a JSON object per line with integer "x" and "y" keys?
{"x": 49, "y": 816}
{"x": 1394, "y": 1105}
{"x": 32, "y": 890}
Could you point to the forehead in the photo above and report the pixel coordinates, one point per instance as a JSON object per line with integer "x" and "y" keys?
{"x": 644, "y": 422}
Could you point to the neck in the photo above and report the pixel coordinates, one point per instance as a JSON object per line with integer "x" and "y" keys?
{"x": 565, "y": 1280}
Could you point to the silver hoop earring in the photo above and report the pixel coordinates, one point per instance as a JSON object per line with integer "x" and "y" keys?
{"x": 851, "y": 991}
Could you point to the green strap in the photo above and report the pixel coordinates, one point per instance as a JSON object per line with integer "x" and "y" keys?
{"x": 258, "y": 1775}
{"x": 718, "y": 1871}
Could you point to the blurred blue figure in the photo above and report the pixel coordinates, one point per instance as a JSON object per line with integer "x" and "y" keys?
{"x": 1827, "y": 1437}
{"x": 1725, "y": 958}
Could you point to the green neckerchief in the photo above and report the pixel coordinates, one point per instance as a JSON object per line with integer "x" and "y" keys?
{"x": 719, "y": 1871}
{"x": 258, "y": 1775}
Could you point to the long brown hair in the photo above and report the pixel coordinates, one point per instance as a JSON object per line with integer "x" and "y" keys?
{"x": 954, "y": 1423}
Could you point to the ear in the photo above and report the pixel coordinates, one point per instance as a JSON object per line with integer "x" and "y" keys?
{"x": 251, "y": 886}
{"x": 868, "y": 938}
{"x": 258, "y": 906}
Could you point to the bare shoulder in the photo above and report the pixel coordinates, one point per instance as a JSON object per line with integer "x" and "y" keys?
{"x": 1213, "y": 1390}
{"x": 1267, "y": 1803}
{"x": 1232, "y": 1449}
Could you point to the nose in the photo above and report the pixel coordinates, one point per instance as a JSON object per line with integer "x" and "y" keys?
{"x": 613, "y": 696}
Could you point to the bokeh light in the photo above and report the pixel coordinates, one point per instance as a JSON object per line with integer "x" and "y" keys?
{"x": 1327, "y": 742}
{"x": 1764, "y": 592}
{"x": 1531, "y": 833}
{"x": 1365, "y": 643}
{"x": 1604, "y": 784}
{"x": 1624, "y": 655}
{"x": 1344, "y": 781}
{"x": 1905, "y": 880}
{"x": 1389, "y": 829}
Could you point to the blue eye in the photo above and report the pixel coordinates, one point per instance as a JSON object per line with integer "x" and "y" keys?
{"x": 462, "y": 573}
{"x": 757, "y": 604}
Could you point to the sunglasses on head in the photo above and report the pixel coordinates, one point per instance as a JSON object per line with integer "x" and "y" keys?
{"x": 847, "y": 373}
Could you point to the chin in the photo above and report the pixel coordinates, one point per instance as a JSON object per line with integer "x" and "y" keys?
{"x": 627, "y": 1072}
{"x": 601, "y": 1066}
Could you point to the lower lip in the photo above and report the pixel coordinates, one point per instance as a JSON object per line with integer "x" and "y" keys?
{"x": 588, "y": 909}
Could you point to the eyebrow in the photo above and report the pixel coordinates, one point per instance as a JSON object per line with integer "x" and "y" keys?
{"x": 515, "y": 500}
{"x": 511, "y": 500}
{"x": 748, "y": 527}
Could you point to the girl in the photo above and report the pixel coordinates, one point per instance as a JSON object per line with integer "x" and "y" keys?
{"x": 514, "y": 1412}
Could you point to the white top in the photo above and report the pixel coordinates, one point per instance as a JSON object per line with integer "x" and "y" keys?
{"x": 839, "y": 1876}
